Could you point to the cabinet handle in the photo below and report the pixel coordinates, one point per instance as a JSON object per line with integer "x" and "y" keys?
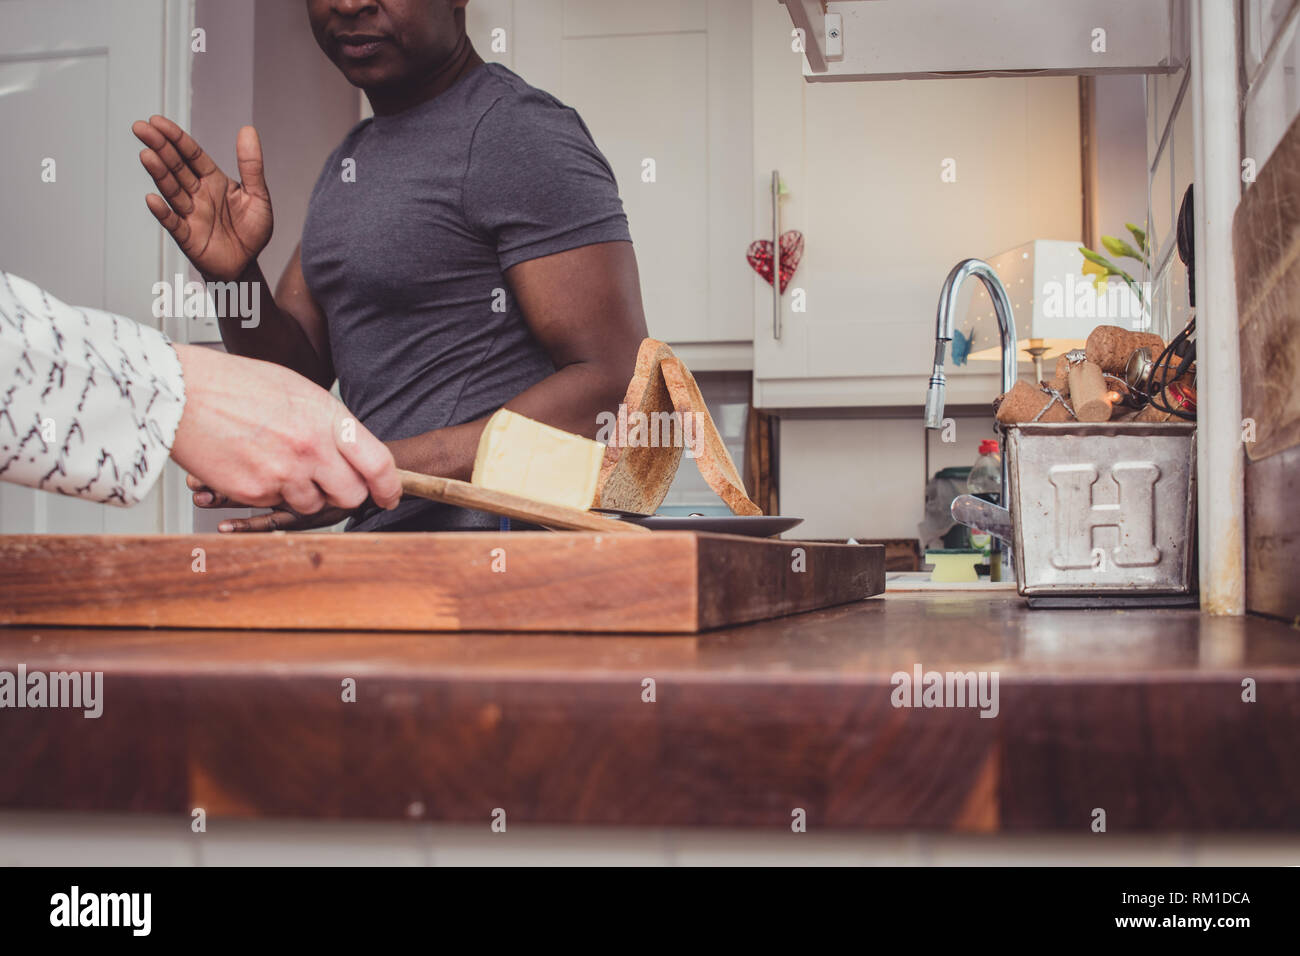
{"x": 776, "y": 255}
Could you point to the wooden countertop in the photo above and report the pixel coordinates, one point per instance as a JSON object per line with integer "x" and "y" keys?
{"x": 1136, "y": 712}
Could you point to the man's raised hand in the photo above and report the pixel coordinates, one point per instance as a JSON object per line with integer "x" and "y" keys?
{"x": 221, "y": 225}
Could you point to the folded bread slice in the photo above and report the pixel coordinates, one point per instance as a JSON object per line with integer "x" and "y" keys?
{"x": 712, "y": 457}
{"x": 636, "y": 478}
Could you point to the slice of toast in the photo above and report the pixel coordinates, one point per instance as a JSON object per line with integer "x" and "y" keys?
{"x": 714, "y": 460}
{"x": 636, "y": 477}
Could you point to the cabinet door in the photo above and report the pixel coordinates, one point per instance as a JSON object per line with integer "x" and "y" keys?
{"x": 891, "y": 39}
{"x": 75, "y": 74}
{"x": 664, "y": 88}
{"x": 892, "y": 184}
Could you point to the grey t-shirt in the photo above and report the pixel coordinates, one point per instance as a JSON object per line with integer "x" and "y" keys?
{"x": 412, "y": 223}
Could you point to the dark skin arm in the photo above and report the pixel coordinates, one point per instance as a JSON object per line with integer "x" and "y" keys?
{"x": 221, "y": 226}
{"x": 583, "y": 305}
{"x": 584, "y": 308}
{"x": 291, "y": 329}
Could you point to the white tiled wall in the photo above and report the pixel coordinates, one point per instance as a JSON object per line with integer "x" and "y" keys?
{"x": 1121, "y": 187}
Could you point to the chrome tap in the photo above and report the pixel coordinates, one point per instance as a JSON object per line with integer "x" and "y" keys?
{"x": 943, "y": 332}
{"x": 943, "y": 335}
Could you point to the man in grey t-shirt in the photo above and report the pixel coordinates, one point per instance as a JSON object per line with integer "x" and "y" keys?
{"x": 464, "y": 249}
{"x": 409, "y": 261}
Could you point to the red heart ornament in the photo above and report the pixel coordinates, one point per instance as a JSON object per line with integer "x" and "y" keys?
{"x": 760, "y": 256}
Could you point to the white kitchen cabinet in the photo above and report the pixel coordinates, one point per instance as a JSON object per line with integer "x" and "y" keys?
{"x": 864, "y": 167}
{"x": 665, "y": 89}
{"x": 894, "y": 39}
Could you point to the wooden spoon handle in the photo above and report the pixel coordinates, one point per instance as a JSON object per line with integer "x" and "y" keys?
{"x": 465, "y": 495}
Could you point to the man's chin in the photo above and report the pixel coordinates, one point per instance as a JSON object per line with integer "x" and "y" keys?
{"x": 367, "y": 76}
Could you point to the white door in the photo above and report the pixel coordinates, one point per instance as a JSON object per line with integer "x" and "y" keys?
{"x": 74, "y": 74}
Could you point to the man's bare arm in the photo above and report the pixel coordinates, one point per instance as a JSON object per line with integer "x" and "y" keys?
{"x": 584, "y": 307}
{"x": 291, "y": 329}
{"x": 221, "y": 226}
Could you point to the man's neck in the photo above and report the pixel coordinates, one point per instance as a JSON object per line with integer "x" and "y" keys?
{"x": 386, "y": 102}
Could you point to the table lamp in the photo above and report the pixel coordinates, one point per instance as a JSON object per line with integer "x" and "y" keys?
{"x": 1054, "y": 303}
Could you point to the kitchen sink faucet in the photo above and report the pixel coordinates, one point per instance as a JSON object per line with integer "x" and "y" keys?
{"x": 943, "y": 332}
{"x": 943, "y": 335}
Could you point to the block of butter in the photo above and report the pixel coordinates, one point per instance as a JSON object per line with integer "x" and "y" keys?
{"x": 524, "y": 457}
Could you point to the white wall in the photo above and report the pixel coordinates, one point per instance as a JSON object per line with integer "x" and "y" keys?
{"x": 221, "y": 79}
{"x": 262, "y": 67}
{"x": 1120, "y": 130}
{"x": 302, "y": 108}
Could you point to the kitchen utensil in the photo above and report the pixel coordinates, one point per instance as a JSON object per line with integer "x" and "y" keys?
{"x": 1138, "y": 373}
{"x": 982, "y": 516}
{"x": 953, "y": 565}
{"x": 620, "y": 513}
{"x": 1186, "y": 239}
{"x": 465, "y": 495}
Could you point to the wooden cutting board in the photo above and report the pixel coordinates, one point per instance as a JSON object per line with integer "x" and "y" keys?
{"x": 1266, "y": 252}
{"x": 661, "y": 583}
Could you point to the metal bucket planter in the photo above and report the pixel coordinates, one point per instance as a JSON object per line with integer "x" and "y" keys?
{"x": 1103, "y": 510}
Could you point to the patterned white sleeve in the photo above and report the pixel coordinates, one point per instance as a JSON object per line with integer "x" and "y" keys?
{"x": 89, "y": 401}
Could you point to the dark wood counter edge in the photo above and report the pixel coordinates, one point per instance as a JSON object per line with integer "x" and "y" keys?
{"x": 730, "y": 739}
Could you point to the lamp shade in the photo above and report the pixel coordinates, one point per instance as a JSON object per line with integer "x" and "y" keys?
{"x": 1054, "y": 303}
